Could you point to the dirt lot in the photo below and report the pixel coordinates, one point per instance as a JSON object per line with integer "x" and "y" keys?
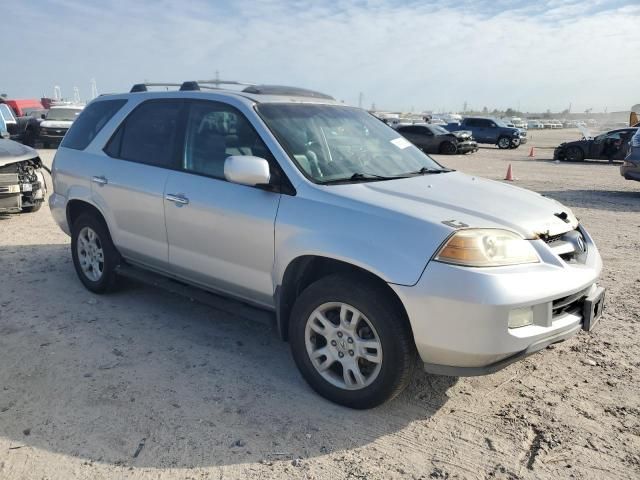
{"x": 142, "y": 384}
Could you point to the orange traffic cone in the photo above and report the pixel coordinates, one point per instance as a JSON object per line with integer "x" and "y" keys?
{"x": 532, "y": 153}
{"x": 509, "y": 176}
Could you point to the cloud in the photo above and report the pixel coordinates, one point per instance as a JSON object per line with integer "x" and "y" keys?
{"x": 425, "y": 55}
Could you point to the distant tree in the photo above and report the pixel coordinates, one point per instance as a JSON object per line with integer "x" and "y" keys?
{"x": 510, "y": 112}
{"x": 547, "y": 114}
{"x": 4, "y": 95}
{"x": 495, "y": 111}
{"x": 565, "y": 112}
{"x": 485, "y": 110}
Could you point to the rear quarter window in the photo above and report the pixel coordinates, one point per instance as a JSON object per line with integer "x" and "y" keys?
{"x": 90, "y": 122}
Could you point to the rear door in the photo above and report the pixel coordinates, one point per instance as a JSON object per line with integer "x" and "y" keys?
{"x": 221, "y": 234}
{"x": 128, "y": 181}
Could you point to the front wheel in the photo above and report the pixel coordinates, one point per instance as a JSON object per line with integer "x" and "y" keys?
{"x": 350, "y": 341}
{"x": 95, "y": 258}
{"x": 574, "y": 154}
{"x": 448, "y": 148}
{"x": 504, "y": 143}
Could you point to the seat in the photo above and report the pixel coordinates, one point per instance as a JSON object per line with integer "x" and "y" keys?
{"x": 208, "y": 153}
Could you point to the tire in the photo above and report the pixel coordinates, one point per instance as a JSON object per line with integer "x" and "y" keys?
{"x": 448, "y": 148}
{"x": 504, "y": 142}
{"x": 380, "y": 322}
{"x": 574, "y": 154}
{"x": 32, "y": 208}
{"x": 98, "y": 280}
{"x": 29, "y": 138}
{"x": 515, "y": 143}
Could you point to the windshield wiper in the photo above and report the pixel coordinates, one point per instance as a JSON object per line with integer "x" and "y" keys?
{"x": 362, "y": 177}
{"x": 428, "y": 171}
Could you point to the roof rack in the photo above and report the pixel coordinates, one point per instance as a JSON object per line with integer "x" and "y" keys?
{"x": 195, "y": 85}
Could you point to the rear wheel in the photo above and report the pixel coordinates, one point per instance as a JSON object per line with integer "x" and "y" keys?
{"x": 350, "y": 341}
{"x": 95, "y": 258}
{"x": 504, "y": 143}
{"x": 574, "y": 154}
{"x": 448, "y": 148}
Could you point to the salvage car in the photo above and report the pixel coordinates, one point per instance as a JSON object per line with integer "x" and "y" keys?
{"x": 22, "y": 183}
{"x": 368, "y": 252}
{"x": 612, "y": 145}
{"x": 55, "y": 124}
{"x": 630, "y": 169}
{"x": 434, "y": 139}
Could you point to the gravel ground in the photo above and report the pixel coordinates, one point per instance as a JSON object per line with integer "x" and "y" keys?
{"x": 142, "y": 384}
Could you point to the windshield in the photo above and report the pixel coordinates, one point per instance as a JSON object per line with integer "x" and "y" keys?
{"x": 331, "y": 143}
{"x": 6, "y": 114}
{"x": 438, "y": 129}
{"x": 500, "y": 123}
{"x": 69, "y": 114}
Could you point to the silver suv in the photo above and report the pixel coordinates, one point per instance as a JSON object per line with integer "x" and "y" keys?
{"x": 369, "y": 252}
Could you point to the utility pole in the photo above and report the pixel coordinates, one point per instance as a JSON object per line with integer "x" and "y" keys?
{"x": 360, "y": 99}
{"x": 217, "y": 79}
{"x": 94, "y": 89}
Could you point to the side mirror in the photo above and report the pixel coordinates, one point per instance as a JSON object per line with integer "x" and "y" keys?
{"x": 43, "y": 116}
{"x": 247, "y": 170}
{"x": 4, "y": 134}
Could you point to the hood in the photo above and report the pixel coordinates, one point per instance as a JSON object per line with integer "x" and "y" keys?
{"x": 459, "y": 198}
{"x": 12, "y": 152}
{"x": 585, "y": 132}
{"x": 55, "y": 123}
{"x": 583, "y": 143}
{"x": 462, "y": 134}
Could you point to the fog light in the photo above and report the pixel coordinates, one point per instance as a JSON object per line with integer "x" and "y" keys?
{"x": 520, "y": 317}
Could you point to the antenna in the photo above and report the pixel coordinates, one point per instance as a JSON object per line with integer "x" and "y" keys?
{"x": 94, "y": 89}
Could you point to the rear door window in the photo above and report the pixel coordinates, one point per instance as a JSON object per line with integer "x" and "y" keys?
{"x": 90, "y": 122}
{"x": 149, "y": 134}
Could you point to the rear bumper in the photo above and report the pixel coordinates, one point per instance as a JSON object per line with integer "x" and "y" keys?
{"x": 630, "y": 172}
{"x": 58, "y": 207}
{"x": 460, "y": 316}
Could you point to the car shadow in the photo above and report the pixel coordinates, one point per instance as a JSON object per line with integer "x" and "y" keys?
{"x": 142, "y": 377}
{"x": 617, "y": 201}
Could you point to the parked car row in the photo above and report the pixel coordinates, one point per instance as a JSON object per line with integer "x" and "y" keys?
{"x": 28, "y": 122}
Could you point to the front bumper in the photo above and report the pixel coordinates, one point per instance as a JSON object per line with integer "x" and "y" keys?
{"x": 459, "y": 315}
{"x": 14, "y": 196}
{"x": 468, "y": 146}
{"x": 52, "y": 135}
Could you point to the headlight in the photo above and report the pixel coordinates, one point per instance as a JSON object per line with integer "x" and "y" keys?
{"x": 487, "y": 248}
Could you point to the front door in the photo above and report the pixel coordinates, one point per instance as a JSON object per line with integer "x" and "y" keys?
{"x": 221, "y": 234}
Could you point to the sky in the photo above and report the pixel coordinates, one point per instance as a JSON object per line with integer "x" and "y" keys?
{"x": 401, "y": 55}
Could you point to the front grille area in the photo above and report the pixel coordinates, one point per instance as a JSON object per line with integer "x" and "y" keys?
{"x": 569, "y": 304}
{"x": 570, "y": 246}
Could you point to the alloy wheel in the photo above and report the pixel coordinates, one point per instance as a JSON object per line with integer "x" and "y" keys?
{"x": 343, "y": 346}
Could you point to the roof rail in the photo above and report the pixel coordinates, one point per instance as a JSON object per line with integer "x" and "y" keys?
{"x": 284, "y": 90}
{"x": 195, "y": 85}
{"x": 142, "y": 87}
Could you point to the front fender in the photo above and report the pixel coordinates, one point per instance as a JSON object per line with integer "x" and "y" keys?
{"x": 389, "y": 247}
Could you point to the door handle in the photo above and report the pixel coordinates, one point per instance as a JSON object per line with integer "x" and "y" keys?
{"x": 178, "y": 199}
{"x": 100, "y": 180}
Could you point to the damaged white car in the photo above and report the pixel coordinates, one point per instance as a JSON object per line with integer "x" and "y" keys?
{"x": 22, "y": 183}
